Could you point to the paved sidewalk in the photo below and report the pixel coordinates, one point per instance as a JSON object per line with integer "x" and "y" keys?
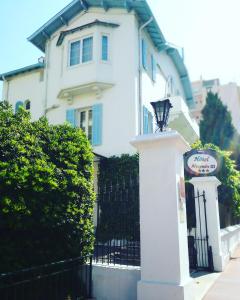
{"x": 227, "y": 286}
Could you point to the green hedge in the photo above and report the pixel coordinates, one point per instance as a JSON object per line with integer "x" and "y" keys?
{"x": 46, "y": 191}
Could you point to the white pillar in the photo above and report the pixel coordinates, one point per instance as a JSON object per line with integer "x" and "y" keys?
{"x": 164, "y": 248}
{"x": 209, "y": 185}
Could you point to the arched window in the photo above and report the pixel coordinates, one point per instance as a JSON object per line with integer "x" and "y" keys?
{"x": 27, "y": 104}
{"x": 17, "y": 105}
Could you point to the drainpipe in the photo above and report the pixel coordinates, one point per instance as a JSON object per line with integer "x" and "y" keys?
{"x": 140, "y": 110}
{"x": 7, "y": 88}
{"x": 45, "y": 103}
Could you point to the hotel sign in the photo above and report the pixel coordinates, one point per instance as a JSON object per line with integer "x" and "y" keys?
{"x": 202, "y": 162}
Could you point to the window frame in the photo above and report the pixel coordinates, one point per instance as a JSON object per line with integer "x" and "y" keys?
{"x": 26, "y": 103}
{"x": 103, "y": 34}
{"x": 78, "y": 120}
{"x": 81, "y": 39}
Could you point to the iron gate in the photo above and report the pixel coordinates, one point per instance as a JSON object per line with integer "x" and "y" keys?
{"x": 200, "y": 253}
{"x": 117, "y": 236}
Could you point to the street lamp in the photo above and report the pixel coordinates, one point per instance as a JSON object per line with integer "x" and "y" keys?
{"x": 161, "y": 111}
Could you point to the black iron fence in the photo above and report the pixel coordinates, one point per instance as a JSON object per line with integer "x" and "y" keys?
{"x": 118, "y": 227}
{"x": 65, "y": 280}
{"x": 200, "y": 252}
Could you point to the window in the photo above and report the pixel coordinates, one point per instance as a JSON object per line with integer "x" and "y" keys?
{"x": 85, "y": 122}
{"x": 147, "y": 121}
{"x": 27, "y": 104}
{"x": 81, "y": 51}
{"x": 105, "y": 48}
{"x": 75, "y": 53}
{"x": 18, "y": 105}
{"x": 87, "y": 51}
{"x": 90, "y": 120}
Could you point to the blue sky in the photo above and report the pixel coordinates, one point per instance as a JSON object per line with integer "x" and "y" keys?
{"x": 207, "y": 29}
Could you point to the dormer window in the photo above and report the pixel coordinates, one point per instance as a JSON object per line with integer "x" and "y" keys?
{"x": 81, "y": 51}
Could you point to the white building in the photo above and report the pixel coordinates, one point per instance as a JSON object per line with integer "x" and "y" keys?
{"x": 104, "y": 62}
{"x": 228, "y": 93}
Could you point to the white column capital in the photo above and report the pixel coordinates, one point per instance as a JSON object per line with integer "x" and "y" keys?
{"x": 205, "y": 180}
{"x": 168, "y": 137}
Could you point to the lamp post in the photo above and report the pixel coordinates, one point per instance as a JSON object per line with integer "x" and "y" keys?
{"x": 161, "y": 111}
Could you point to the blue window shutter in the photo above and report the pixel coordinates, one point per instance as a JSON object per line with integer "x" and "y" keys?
{"x": 145, "y": 120}
{"x": 144, "y": 54}
{"x": 70, "y": 117}
{"x": 150, "y": 125}
{"x": 154, "y": 68}
{"x": 97, "y": 112}
{"x": 17, "y": 105}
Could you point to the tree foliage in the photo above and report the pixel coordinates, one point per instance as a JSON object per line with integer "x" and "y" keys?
{"x": 216, "y": 124}
{"x": 229, "y": 190}
{"x": 46, "y": 191}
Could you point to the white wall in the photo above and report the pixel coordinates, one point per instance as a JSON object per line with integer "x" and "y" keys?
{"x": 23, "y": 87}
{"x": 230, "y": 239}
{"x": 119, "y": 116}
{"x": 120, "y": 100}
{"x": 115, "y": 282}
{"x": 153, "y": 91}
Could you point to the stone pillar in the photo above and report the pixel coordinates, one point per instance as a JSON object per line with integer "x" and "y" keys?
{"x": 164, "y": 248}
{"x": 209, "y": 185}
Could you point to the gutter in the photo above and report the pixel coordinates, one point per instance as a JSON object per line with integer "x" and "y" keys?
{"x": 140, "y": 109}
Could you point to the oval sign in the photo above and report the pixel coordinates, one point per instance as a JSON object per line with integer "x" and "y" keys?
{"x": 201, "y": 162}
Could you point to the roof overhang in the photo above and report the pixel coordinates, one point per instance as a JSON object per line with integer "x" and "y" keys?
{"x": 21, "y": 71}
{"x": 65, "y": 33}
{"x": 183, "y": 74}
{"x": 144, "y": 13}
{"x": 141, "y": 8}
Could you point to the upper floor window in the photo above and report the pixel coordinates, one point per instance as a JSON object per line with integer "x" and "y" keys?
{"x": 81, "y": 51}
{"x": 75, "y": 53}
{"x": 87, "y": 51}
{"x": 105, "y": 47}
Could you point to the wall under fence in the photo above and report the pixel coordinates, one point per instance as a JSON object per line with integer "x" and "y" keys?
{"x": 230, "y": 239}
{"x": 115, "y": 282}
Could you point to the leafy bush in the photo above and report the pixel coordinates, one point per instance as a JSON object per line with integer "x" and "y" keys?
{"x": 46, "y": 191}
{"x": 229, "y": 190}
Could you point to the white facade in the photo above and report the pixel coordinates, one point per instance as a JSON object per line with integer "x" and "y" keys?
{"x": 117, "y": 84}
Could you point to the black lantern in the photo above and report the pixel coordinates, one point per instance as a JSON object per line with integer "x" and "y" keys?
{"x": 161, "y": 110}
